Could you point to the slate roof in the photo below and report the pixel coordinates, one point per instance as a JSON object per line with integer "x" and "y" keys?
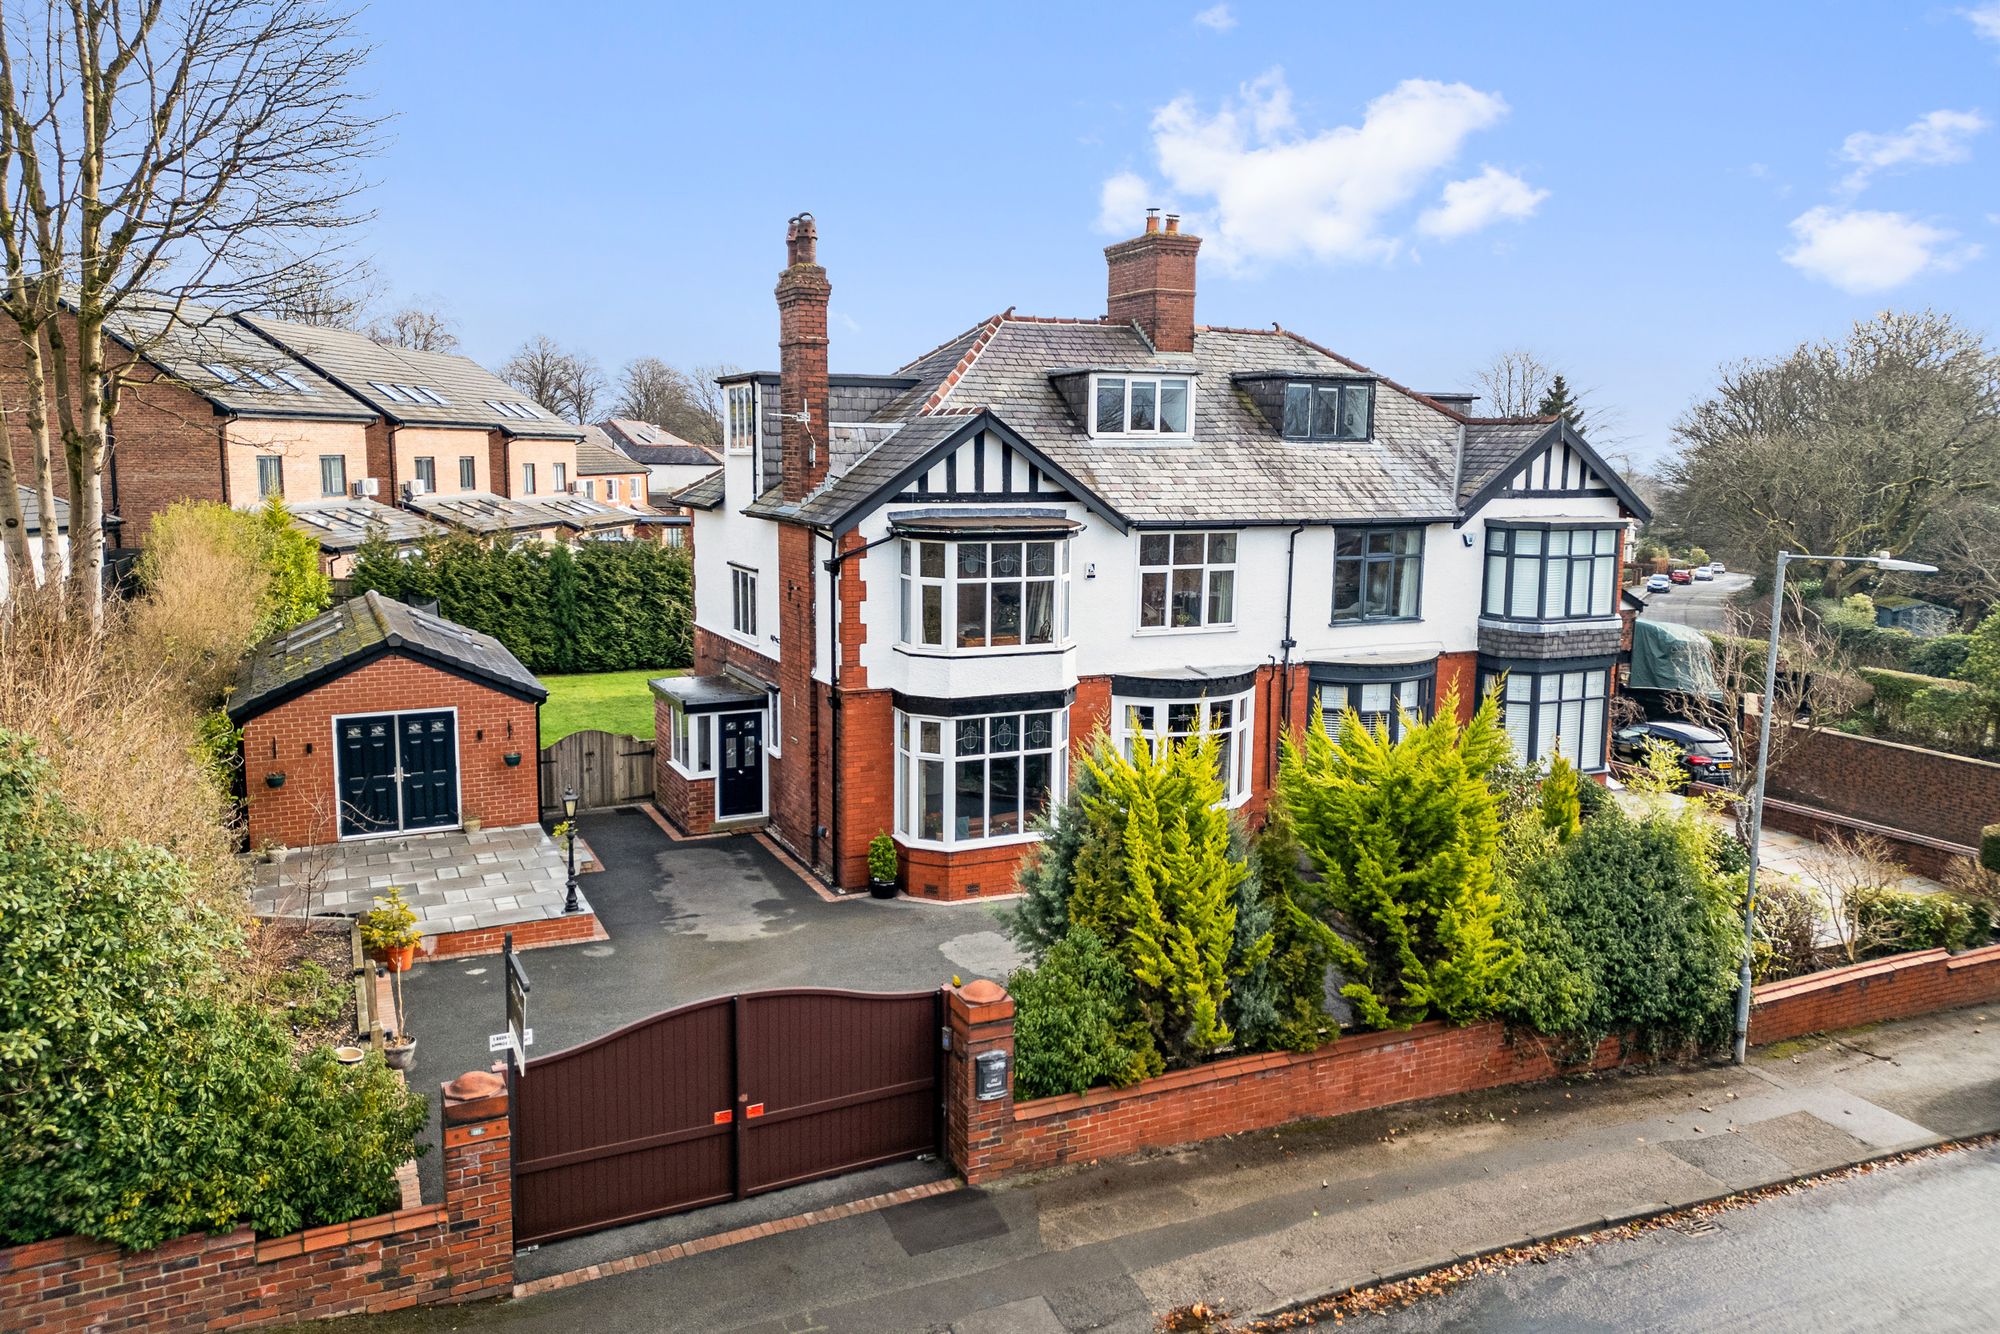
{"x": 31, "y": 511}
{"x": 215, "y": 356}
{"x": 1491, "y": 446}
{"x": 655, "y": 444}
{"x": 358, "y": 631}
{"x": 482, "y": 512}
{"x": 362, "y": 366}
{"x": 342, "y": 525}
{"x": 597, "y": 456}
{"x": 704, "y": 493}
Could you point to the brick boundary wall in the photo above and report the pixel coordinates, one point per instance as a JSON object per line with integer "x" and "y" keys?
{"x": 995, "y": 1138}
{"x": 1924, "y": 792}
{"x": 568, "y": 929}
{"x": 458, "y": 1251}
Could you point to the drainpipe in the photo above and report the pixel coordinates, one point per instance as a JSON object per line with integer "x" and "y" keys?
{"x": 833, "y": 565}
{"x": 1286, "y": 645}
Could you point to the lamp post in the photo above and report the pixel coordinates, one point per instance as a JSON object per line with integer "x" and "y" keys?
{"x": 570, "y": 903}
{"x": 1884, "y": 561}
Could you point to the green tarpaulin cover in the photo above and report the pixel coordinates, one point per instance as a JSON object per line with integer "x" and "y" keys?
{"x": 1672, "y": 657}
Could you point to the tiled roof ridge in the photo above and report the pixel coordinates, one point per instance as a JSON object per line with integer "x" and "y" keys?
{"x": 1352, "y": 364}
{"x": 962, "y": 333}
{"x": 986, "y": 330}
{"x": 1537, "y": 419}
{"x": 372, "y": 598}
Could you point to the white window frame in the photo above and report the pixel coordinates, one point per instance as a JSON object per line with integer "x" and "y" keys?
{"x": 340, "y": 459}
{"x": 589, "y": 489}
{"x": 915, "y": 585}
{"x": 1211, "y": 571}
{"x": 743, "y": 602}
{"x": 1134, "y": 716}
{"x": 918, "y": 747}
{"x": 468, "y": 473}
{"x": 559, "y": 475}
{"x": 424, "y": 469}
{"x": 740, "y": 417}
{"x": 691, "y": 743}
{"x": 1380, "y": 701}
{"x": 527, "y": 477}
{"x": 1569, "y": 707}
{"x": 774, "y": 716}
{"x": 1127, "y": 383}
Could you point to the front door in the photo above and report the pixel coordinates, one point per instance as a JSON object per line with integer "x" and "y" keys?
{"x": 366, "y": 780}
{"x": 739, "y": 783}
{"x": 396, "y": 771}
{"x": 429, "y": 755}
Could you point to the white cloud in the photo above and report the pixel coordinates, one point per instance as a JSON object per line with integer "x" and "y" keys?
{"x": 1217, "y": 17}
{"x": 1258, "y": 187}
{"x": 1122, "y": 203}
{"x": 1858, "y": 250}
{"x": 1480, "y": 201}
{"x": 1985, "y": 20}
{"x": 1930, "y": 141}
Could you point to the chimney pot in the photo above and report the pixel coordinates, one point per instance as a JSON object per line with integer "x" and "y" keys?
{"x": 1173, "y": 224}
{"x": 1152, "y": 221}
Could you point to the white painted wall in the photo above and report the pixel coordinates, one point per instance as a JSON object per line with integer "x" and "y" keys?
{"x": 724, "y": 536}
{"x": 35, "y": 559}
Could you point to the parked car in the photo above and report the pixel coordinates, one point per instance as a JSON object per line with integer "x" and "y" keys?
{"x": 1704, "y": 752}
{"x": 1659, "y": 583}
{"x": 1704, "y": 572}
{"x": 1682, "y": 576}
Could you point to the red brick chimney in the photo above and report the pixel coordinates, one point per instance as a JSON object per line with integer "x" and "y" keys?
{"x": 802, "y": 295}
{"x": 1152, "y": 282}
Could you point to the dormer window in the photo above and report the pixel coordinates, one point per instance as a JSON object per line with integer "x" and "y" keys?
{"x": 1329, "y": 410}
{"x": 1141, "y": 405}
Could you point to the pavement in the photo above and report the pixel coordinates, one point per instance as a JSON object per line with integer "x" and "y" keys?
{"x": 1905, "y": 1247}
{"x": 1704, "y": 605}
{"x": 1263, "y": 1222}
{"x": 689, "y": 920}
{"x": 453, "y": 881}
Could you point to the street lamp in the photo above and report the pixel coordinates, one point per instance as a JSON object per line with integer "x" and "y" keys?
{"x": 570, "y": 903}
{"x": 1884, "y": 561}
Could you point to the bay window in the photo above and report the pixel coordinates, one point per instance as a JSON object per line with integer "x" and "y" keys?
{"x": 977, "y": 779}
{"x": 984, "y": 595}
{"x": 1186, "y": 580}
{"x": 1377, "y": 701}
{"x": 1141, "y": 405}
{"x": 1546, "y": 710}
{"x": 1378, "y": 573}
{"x": 1166, "y": 721}
{"x": 1551, "y": 574}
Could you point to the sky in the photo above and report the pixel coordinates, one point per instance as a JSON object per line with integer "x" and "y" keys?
{"x": 1638, "y": 195}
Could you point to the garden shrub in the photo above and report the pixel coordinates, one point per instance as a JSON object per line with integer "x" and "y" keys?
{"x": 1630, "y": 928}
{"x": 1989, "y": 847}
{"x": 1404, "y": 835}
{"x": 1040, "y": 917}
{"x": 1562, "y": 807}
{"x": 1894, "y": 921}
{"x": 1281, "y": 1004}
{"x": 141, "y": 1095}
{"x": 1073, "y": 1025}
{"x": 1787, "y": 939}
{"x": 600, "y": 607}
{"x": 1942, "y": 655}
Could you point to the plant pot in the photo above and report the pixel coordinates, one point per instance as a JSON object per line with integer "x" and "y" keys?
{"x": 881, "y": 889}
{"x": 398, "y": 960}
{"x": 471, "y": 826}
{"x": 399, "y": 1055}
{"x": 348, "y": 1055}
{"x": 276, "y": 856}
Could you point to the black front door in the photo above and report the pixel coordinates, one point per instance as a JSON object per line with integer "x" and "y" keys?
{"x": 429, "y": 754}
{"x": 366, "y": 781}
{"x": 739, "y": 784}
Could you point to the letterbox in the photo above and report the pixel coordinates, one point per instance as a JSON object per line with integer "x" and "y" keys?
{"x": 990, "y": 1075}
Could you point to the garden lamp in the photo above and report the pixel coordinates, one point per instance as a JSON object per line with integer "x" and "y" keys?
{"x": 570, "y": 903}
{"x": 1882, "y": 561}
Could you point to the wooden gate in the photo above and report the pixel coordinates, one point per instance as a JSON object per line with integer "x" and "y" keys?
{"x": 605, "y": 769}
{"x": 722, "y": 1099}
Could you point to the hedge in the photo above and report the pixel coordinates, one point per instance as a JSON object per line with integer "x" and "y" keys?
{"x": 599, "y": 607}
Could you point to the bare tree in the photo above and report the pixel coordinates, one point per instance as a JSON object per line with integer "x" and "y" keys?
{"x": 196, "y": 151}
{"x": 1842, "y": 874}
{"x": 329, "y": 295}
{"x": 1514, "y": 383}
{"x": 687, "y": 403}
{"x": 568, "y": 384}
{"x": 419, "y": 326}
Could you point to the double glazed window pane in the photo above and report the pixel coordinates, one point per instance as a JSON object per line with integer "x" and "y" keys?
{"x": 1001, "y": 773}
{"x": 1377, "y": 573}
{"x": 1110, "y": 406}
{"x": 332, "y": 474}
{"x": 1144, "y": 392}
{"x": 1187, "y": 579}
{"x": 1327, "y": 411}
{"x": 1131, "y": 406}
{"x": 1174, "y": 406}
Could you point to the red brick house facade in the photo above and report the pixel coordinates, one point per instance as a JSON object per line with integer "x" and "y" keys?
{"x": 917, "y": 593}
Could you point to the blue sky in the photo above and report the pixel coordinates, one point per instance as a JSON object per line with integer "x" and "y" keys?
{"x": 1636, "y": 195}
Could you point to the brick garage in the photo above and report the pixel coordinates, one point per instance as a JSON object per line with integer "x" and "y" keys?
{"x": 368, "y": 658}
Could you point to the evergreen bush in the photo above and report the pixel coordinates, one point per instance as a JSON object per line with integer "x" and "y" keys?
{"x": 1894, "y": 921}
{"x": 1073, "y": 1024}
{"x": 1404, "y": 836}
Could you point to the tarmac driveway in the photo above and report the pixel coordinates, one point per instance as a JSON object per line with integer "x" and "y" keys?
{"x": 688, "y": 921}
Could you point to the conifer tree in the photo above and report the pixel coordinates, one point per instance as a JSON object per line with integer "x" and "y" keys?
{"x": 1403, "y": 834}
{"x": 1290, "y": 1011}
{"x": 1562, "y": 807}
{"x": 1561, "y": 401}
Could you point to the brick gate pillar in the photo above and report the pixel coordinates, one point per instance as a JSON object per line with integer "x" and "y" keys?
{"x": 479, "y": 1184}
{"x": 981, "y": 1017}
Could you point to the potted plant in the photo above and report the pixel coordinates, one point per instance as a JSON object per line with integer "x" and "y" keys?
{"x": 389, "y": 930}
{"x": 882, "y": 866}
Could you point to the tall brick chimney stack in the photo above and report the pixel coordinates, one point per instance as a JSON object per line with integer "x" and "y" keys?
{"x": 802, "y": 296}
{"x": 1152, "y": 282}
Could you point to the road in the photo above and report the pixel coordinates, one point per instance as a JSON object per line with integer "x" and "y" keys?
{"x": 1906, "y": 1247}
{"x": 1705, "y": 606}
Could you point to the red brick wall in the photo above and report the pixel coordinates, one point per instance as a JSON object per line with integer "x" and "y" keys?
{"x": 1927, "y": 792}
{"x": 1460, "y": 672}
{"x": 929, "y": 873}
{"x": 1865, "y": 993}
{"x": 1150, "y": 279}
{"x": 796, "y": 808}
{"x": 458, "y": 1251}
{"x": 302, "y": 812}
{"x": 867, "y": 777}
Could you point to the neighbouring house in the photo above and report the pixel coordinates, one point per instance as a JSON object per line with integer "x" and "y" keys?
{"x": 604, "y": 472}
{"x": 916, "y": 592}
{"x": 377, "y": 718}
{"x": 32, "y": 522}
{"x": 671, "y": 461}
{"x": 341, "y": 526}
{"x": 444, "y": 424}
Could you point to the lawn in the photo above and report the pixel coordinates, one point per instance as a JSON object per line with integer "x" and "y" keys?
{"x": 608, "y": 701}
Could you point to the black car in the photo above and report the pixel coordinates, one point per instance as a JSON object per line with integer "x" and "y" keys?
{"x": 1704, "y": 752}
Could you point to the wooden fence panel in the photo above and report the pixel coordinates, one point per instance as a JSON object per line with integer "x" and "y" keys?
{"x": 605, "y": 769}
